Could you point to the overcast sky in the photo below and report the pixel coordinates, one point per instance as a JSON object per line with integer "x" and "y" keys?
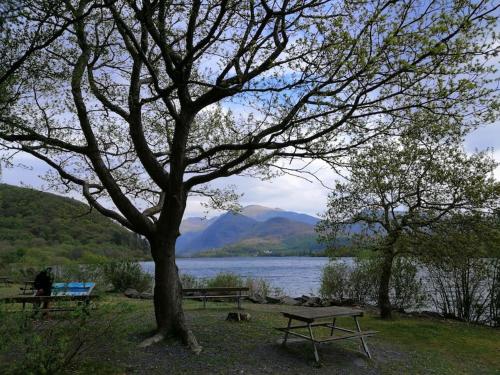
{"x": 286, "y": 192}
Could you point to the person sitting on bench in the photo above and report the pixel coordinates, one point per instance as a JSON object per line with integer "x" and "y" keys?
{"x": 43, "y": 284}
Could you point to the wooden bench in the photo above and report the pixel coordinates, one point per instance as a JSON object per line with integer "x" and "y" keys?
{"x": 310, "y": 315}
{"x": 5, "y": 280}
{"x": 28, "y": 288}
{"x": 238, "y": 293}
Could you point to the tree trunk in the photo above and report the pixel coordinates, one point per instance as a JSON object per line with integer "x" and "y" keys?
{"x": 169, "y": 313}
{"x": 384, "y": 301}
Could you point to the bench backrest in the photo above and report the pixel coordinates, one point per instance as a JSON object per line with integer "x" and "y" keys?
{"x": 217, "y": 290}
{"x": 72, "y": 289}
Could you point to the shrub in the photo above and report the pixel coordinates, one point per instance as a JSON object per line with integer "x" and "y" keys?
{"x": 126, "y": 274}
{"x": 29, "y": 346}
{"x": 461, "y": 286}
{"x": 190, "y": 281}
{"x": 225, "y": 279}
{"x": 360, "y": 282}
{"x": 83, "y": 273}
{"x": 495, "y": 293}
{"x": 262, "y": 287}
{"x": 407, "y": 289}
{"x": 364, "y": 280}
{"x": 335, "y": 281}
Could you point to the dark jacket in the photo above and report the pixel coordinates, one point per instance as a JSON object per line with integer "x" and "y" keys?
{"x": 43, "y": 281}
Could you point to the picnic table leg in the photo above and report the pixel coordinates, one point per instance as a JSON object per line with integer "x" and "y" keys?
{"x": 333, "y": 326}
{"x": 363, "y": 340}
{"x": 204, "y": 301}
{"x": 286, "y": 332}
{"x": 86, "y": 307}
{"x": 316, "y": 355}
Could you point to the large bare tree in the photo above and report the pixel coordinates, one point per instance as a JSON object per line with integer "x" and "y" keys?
{"x": 139, "y": 104}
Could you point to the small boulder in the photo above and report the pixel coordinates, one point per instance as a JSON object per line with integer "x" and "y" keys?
{"x": 312, "y": 302}
{"x": 145, "y": 295}
{"x": 272, "y": 300}
{"x": 131, "y": 293}
{"x": 286, "y": 300}
{"x": 238, "y": 317}
{"x": 256, "y": 298}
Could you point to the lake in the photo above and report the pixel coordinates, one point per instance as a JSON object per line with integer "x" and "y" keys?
{"x": 294, "y": 275}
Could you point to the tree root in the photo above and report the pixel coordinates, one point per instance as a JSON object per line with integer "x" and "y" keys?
{"x": 190, "y": 341}
{"x": 152, "y": 340}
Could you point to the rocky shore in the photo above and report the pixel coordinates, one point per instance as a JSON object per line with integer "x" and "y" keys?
{"x": 304, "y": 300}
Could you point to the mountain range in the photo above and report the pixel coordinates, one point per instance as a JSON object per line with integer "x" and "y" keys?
{"x": 255, "y": 230}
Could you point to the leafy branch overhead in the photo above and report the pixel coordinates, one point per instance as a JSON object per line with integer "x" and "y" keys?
{"x": 126, "y": 100}
{"x": 138, "y": 105}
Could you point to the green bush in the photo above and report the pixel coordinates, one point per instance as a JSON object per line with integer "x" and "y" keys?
{"x": 335, "y": 281}
{"x": 364, "y": 280}
{"x": 225, "y": 279}
{"x": 360, "y": 282}
{"x": 126, "y": 274}
{"x": 33, "y": 347}
{"x": 406, "y": 286}
{"x": 190, "y": 281}
{"x": 262, "y": 288}
{"x": 82, "y": 273}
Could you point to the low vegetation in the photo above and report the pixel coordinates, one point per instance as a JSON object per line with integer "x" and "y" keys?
{"x": 358, "y": 283}
{"x": 106, "y": 343}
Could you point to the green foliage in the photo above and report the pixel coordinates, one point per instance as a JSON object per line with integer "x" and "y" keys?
{"x": 301, "y": 245}
{"x": 54, "y": 346}
{"x": 83, "y": 273}
{"x": 225, "y": 279}
{"x": 190, "y": 281}
{"x": 408, "y": 289}
{"x": 257, "y": 286}
{"x": 127, "y": 274}
{"x": 335, "y": 281}
{"x": 462, "y": 255}
{"x": 359, "y": 282}
{"x": 38, "y": 228}
{"x": 495, "y": 294}
{"x": 262, "y": 288}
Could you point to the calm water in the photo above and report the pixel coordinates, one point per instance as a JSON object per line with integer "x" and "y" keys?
{"x": 295, "y": 275}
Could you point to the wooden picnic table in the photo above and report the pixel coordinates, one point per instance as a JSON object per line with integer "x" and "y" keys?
{"x": 237, "y": 293}
{"x": 28, "y": 288}
{"x": 315, "y": 317}
{"x": 38, "y": 300}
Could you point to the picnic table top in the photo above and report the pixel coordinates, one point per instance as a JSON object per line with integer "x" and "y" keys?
{"x": 309, "y": 314}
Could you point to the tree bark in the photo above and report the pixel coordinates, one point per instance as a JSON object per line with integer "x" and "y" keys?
{"x": 169, "y": 314}
{"x": 384, "y": 301}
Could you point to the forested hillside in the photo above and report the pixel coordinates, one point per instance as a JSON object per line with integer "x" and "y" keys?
{"x": 43, "y": 228}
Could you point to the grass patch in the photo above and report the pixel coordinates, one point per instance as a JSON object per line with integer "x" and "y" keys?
{"x": 406, "y": 345}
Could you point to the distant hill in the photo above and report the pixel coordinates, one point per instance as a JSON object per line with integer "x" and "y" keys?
{"x": 42, "y": 228}
{"x": 257, "y": 230}
{"x": 261, "y": 213}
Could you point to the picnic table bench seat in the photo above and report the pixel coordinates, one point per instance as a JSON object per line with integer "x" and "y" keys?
{"x": 238, "y": 293}
{"x": 5, "y": 280}
{"x": 28, "y": 288}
